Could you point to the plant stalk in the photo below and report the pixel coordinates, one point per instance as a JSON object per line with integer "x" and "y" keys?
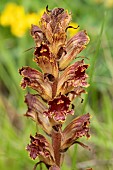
{"x": 56, "y": 143}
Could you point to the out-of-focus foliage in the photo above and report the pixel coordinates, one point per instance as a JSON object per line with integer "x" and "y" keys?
{"x": 15, "y": 20}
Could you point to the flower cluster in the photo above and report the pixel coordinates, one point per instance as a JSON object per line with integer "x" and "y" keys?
{"x": 12, "y": 13}
{"x": 57, "y": 84}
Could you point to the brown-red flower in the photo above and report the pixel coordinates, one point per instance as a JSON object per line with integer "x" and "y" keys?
{"x": 53, "y": 25}
{"x": 58, "y": 109}
{"x": 76, "y": 129}
{"x": 36, "y": 80}
{"x": 74, "y": 76}
{"x": 36, "y": 107}
{"x": 46, "y": 60}
{"x": 40, "y": 147}
{"x": 73, "y": 47}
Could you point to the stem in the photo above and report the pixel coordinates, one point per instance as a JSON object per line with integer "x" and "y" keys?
{"x": 54, "y": 88}
{"x": 56, "y": 143}
{"x": 54, "y": 168}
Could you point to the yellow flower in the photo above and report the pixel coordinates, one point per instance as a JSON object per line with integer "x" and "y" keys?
{"x": 33, "y": 18}
{"x": 19, "y": 28}
{"x": 40, "y": 13}
{"x": 6, "y": 16}
{"x": 14, "y": 16}
{"x": 73, "y": 31}
{"x": 11, "y": 13}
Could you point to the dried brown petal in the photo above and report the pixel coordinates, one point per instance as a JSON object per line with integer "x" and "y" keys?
{"x": 73, "y": 47}
{"x": 77, "y": 128}
{"x": 35, "y": 79}
{"x": 74, "y": 76}
{"x": 40, "y": 147}
{"x": 36, "y": 107}
{"x": 53, "y": 25}
{"x": 58, "y": 110}
{"x": 37, "y": 35}
{"x": 46, "y": 60}
{"x": 76, "y": 92}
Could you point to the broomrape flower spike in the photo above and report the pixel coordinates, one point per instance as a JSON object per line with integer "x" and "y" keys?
{"x": 56, "y": 86}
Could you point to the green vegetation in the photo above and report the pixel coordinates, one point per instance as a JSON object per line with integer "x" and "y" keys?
{"x": 96, "y": 18}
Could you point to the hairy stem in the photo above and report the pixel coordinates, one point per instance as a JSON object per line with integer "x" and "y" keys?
{"x": 54, "y": 168}
{"x": 56, "y": 143}
{"x": 54, "y": 88}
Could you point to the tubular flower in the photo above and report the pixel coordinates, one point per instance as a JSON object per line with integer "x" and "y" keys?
{"x": 53, "y": 25}
{"x": 41, "y": 148}
{"x": 73, "y": 47}
{"x": 58, "y": 109}
{"x": 35, "y": 79}
{"x": 56, "y": 86}
{"x": 36, "y": 107}
{"x": 73, "y": 76}
{"x": 77, "y": 128}
{"x": 46, "y": 60}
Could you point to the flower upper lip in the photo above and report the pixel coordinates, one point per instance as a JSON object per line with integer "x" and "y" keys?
{"x": 77, "y": 128}
{"x": 73, "y": 47}
{"x": 35, "y": 79}
{"x": 36, "y": 107}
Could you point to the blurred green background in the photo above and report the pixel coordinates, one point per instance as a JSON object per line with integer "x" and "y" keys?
{"x": 95, "y": 16}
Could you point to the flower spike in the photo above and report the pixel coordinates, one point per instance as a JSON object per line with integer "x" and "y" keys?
{"x": 56, "y": 86}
